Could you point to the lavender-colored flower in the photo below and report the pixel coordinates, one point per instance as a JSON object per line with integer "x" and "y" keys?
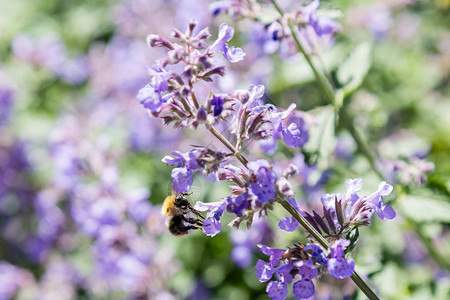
{"x": 238, "y": 204}
{"x": 139, "y": 208}
{"x": 296, "y": 133}
{"x": 182, "y": 179}
{"x": 275, "y": 254}
{"x": 217, "y": 103}
{"x": 150, "y": 98}
{"x": 317, "y": 253}
{"x": 338, "y": 266}
{"x": 304, "y": 288}
{"x": 5, "y": 104}
{"x": 212, "y": 224}
{"x": 188, "y": 159}
{"x": 264, "y": 271}
{"x": 277, "y": 290}
{"x": 263, "y": 182}
{"x": 159, "y": 78}
{"x": 232, "y": 54}
{"x": 385, "y": 212}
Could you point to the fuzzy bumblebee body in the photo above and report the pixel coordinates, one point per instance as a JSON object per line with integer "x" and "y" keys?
{"x": 177, "y": 209}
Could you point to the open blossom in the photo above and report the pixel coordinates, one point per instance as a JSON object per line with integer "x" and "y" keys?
{"x": 232, "y": 54}
{"x": 306, "y": 261}
{"x": 211, "y": 224}
{"x": 338, "y": 266}
{"x": 263, "y": 182}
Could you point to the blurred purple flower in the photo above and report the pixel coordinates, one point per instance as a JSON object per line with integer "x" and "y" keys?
{"x": 232, "y": 54}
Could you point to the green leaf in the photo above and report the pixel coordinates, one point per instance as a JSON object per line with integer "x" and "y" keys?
{"x": 353, "y": 237}
{"x": 322, "y": 140}
{"x": 353, "y": 70}
{"x": 425, "y": 209}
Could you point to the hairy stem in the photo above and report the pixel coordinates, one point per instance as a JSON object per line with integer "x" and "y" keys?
{"x": 227, "y": 144}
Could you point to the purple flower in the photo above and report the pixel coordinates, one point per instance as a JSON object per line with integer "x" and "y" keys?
{"x": 296, "y": 133}
{"x": 275, "y": 254}
{"x": 304, "y": 288}
{"x": 5, "y": 104}
{"x": 182, "y": 179}
{"x": 385, "y": 212}
{"x": 288, "y": 224}
{"x": 159, "y": 78}
{"x": 277, "y": 290}
{"x": 238, "y": 204}
{"x": 338, "y": 266}
{"x": 212, "y": 225}
{"x": 264, "y": 271}
{"x": 316, "y": 253}
{"x": 150, "y": 98}
{"x": 188, "y": 159}
{"x": 217, "y": 103}
{"x": 263, "y": 183}
{"x": 232, "y": 54}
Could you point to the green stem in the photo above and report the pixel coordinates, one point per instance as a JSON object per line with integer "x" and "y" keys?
{"x": 330, "y": 95}
{"x": 418, "y": 228}
{"x": 227, "y": 144}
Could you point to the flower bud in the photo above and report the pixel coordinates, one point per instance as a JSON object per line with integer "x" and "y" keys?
{"x": 202, "y": 114}
{"x": 284, "y": 186}
{"x": 154, "y": 40}
{"x": 290, "y": 171}
{"x": 191, "y": 26}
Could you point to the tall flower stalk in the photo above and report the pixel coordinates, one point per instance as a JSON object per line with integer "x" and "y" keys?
{"x": 171, "y": 96}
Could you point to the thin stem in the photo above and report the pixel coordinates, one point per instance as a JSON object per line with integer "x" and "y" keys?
{"x": 418, "y": 228}
{"x": 194, "y": 99}
{"x": 305, "y": 224}
{"x": 359, "y": 139}
{"x": 227, "y": 144}
{"x": 327, "y": 89}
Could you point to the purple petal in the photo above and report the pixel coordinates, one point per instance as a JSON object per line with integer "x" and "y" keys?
{"x": 340, "y": 268}
{"x": 182, "y": 180}
{"x": 233, "y": 54}
{"x": 277, "y": 290}
{"x": 288, "y": 224}
{"x": 303, "y": 289}
{"x": 264, "y": 271}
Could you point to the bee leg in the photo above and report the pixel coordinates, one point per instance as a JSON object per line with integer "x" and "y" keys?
{"x": 192, "y": 227}
{"x": 198, "y": 214}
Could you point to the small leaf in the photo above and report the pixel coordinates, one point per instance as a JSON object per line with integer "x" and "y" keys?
{"x": 425, "y": 208}
{"x": 353, "y": 237}
{"x": 322, "y": 140}
{"x": 353, "y": 70}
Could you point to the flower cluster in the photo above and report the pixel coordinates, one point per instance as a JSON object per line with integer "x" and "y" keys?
{"x": 301, "y": 264}
{"x": 172, "y": 92}
{"x": 342, "y": 212}
{"x": 315, "y": 32}
{"x": 171, "y": 96}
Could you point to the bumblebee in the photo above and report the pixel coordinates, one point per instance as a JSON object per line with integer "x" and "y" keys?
{"x": 180, "y": 215}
